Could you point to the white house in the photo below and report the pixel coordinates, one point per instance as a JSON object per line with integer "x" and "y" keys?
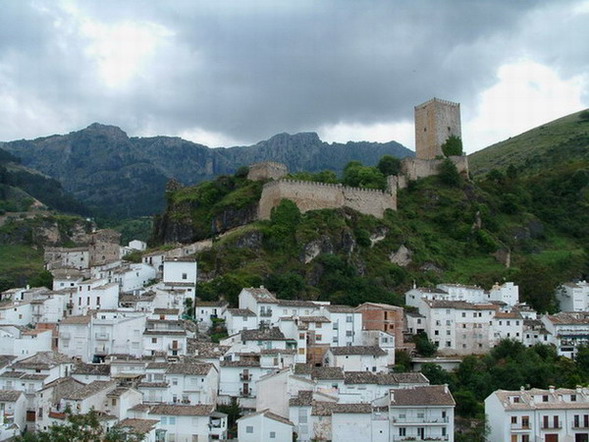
{"x": 23, "y": 342}
{"x": 134, "y": 277}
{"x": 421, "y": 412}
{"x": 192, "y": 383}
{"x": 95, "y": 294}
{"x": 92, "y": 337}
{"x": 12, "y": 414}
{"x": 16, "y": 313}
{"x": 238, "y": 319}
{"x": 507, "y": 326}
{"x": 206, "y": 311}
{"x": 567, "y": 331}
{"x": 573, "y": 296}
{"x": 458, "y": 327}
{"x": 532, "y": 415}
{"x": 185, "y": 423}
{"x": 264, "y": 426}
{"x": 357, "y": 358}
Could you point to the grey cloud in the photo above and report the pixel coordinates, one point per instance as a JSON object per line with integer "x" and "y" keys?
{"x": 252, "y": 69}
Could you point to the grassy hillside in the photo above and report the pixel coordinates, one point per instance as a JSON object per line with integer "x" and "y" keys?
{"x": 451, "y": 230}
{"x": 564, "y": 139}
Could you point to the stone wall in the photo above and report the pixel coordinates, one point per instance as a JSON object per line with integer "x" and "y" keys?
{"x": 415, "y": 168}
{"x": 314, "y": 196}
{"x": 267, "y": 170}
{"x": 435, "y": 121}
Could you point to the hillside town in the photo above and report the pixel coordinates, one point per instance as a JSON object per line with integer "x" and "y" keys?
{"x": 132, "y": 343}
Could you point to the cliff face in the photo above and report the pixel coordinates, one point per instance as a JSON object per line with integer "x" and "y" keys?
{"x": 118, "y": 176}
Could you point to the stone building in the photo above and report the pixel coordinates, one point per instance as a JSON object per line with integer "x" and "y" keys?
{"x": 435, "y": 121}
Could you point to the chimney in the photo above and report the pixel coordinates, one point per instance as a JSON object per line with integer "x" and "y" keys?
{"x": 551, "y": 388}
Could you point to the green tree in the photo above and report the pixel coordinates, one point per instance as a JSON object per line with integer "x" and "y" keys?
{"x": 389, "y": 165}
{"x": 448, "y": 173}
{"x": 80, "y": 428}
{"x": 424, "y": 346}
{"x": 42, "y": 279}
{"x": 357, "y": 175}
{"x": 402, "y": 361}
{"x": 452, "y": 146}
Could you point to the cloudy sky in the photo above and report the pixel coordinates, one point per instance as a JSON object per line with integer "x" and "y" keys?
{"x": 233, "y": 72}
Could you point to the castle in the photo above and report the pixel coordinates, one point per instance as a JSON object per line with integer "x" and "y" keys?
{"x": 435, "y": 121}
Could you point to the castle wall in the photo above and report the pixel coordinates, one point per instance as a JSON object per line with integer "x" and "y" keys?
{"x": 414, "y": 168}
{"x": 435, "y": 121}
{"x": 267, "y": 170}
{"x": 314, "y": 196}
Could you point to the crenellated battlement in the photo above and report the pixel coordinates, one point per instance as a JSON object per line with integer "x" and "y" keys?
{"x": 310, "y": 195}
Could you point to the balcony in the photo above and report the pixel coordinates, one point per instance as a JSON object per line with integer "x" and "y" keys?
{"x": 266, "y": 313}
{"x": 101, "y": 336}
{"x": 174, "y": 346}
{"x": 421, "y": 420}
{"x": 520, "y": 427}
{"x": 558, "y": 426}
{"x": 245, "y": 376}
{"x": 245, "y": 392}
{"x": 424, "y": 439}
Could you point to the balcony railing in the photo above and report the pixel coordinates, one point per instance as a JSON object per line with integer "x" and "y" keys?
{"x": 558, "y": 426}
{"x": 520, "y": 426}
{"x": 176, "y": 346}
{"x": 245, "y": 393}
{"x": 266, "y": 313}
{"x": 245, "y": 376}
{"x": 421, "y": 420}
{"x": 101, "y": 336}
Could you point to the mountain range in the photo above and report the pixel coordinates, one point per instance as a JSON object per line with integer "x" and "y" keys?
{"x": 117, "y": 176}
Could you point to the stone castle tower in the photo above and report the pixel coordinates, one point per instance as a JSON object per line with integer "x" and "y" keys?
{"x": 435, "y": 121}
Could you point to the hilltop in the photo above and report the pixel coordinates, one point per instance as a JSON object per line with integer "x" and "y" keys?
{"x": 564, "y": 139}
{"x": 118, "y": 176}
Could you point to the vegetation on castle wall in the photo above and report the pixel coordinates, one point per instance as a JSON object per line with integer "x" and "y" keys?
{"x": 452, "y": 146}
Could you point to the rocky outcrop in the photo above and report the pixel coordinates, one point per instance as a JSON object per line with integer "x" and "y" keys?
{"x": 402, "y": 257}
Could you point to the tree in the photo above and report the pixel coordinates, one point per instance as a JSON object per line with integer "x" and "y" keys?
{"x": 452, "y": 146}
{"x": 424, "y": 346}
{"x": 357, "y": 175}
{"x": 449, "y": 174}
{"x": 389, "y": 165}
{"x": 80, "y": 428}
{"x": 42, "y": 279}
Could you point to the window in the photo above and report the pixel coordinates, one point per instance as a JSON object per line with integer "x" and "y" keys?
{"x": 318, "y": 325}
{"x": 164, "y": 420}
{"x": 172, "y": 420}
{"x": 402, "y": 431}
{"x": 318, "y": 337}
{"x": 448, "y": 332}
{"x": 174, "y": 381}
{"x": 349, "y": 318}
{"x": 573, "y": 398}
{"x": 464, "y": 314}
{"x": 154, "y": 340}
{"x": 436, "y": 332}
{"x": 525, "y": 421}
{"x": 420, "y": 415}
{"x": 249, "y": 429}
{"x": 349, "y": 333}
{"x": 514, "y": 419}
{"x": 272, "y": 435}
{"x": 545, "y": 398}
{"x": 448, "y": 322}
{"x": 184, "y": 276}
{"x": 114, "y": 402}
